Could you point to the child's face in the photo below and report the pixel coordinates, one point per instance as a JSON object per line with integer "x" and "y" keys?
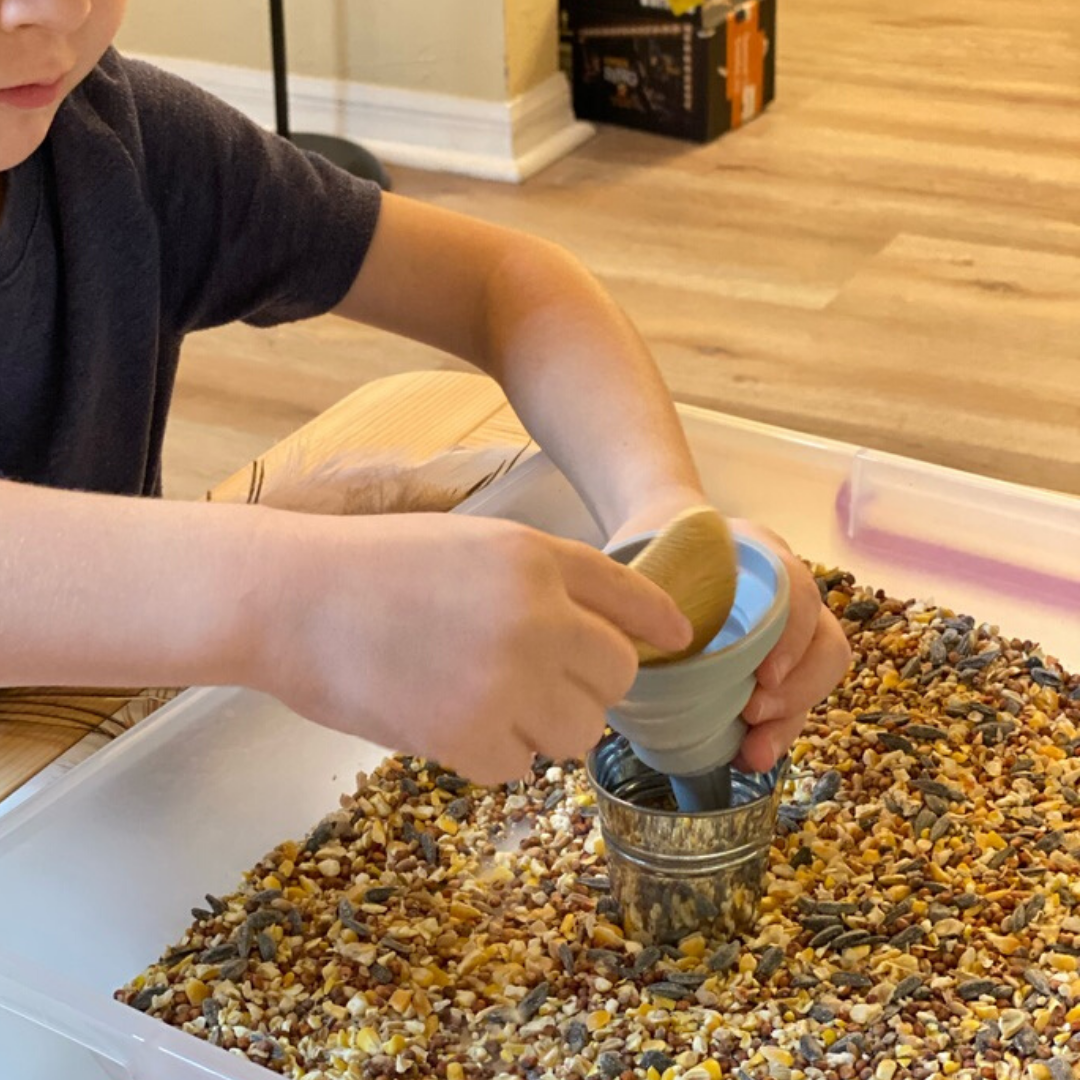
{"x": 47, "y": 47}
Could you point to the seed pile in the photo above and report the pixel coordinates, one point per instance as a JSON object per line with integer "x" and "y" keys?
{"x": 921, "y": 916}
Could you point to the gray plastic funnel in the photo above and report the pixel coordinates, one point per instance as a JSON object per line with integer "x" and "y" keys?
{"x": 684, "y": 718}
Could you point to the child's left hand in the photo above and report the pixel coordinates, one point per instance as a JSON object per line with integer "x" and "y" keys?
{"x": 807, "y": 662}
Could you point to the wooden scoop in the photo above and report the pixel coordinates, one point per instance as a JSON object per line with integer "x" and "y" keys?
{"x": 694, "y": 560}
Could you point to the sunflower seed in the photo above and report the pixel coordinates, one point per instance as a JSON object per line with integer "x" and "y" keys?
{"x": 360, "y": 929}
{"x": 233, "y": 971}
{"x": 211, "y": 1011}
{"x": 576, "y": 1037}
{"x": 452, "y": 783}
{"x": 861, "y": 610}
{"x": 145, "y": 997}
{"x": 566, "y": 958}
{"x": 668, "y": 990}
{"x": 655, "y": 1059}
{"x": 942, "y": 827}
{"x": 827, "y": 787}
{"x": 912, "y": 935}
{"x": 851, "y": 979}
{"x": 201, "y": 914}
{"x": 906, "y": 987}
{"x": 609, "y": 907}
{"x": 926, "y": 732}
{"x": 848, "y": 940}
{"x": 410, "y": 787}
{"x": 976, "y": 988}
{"x": 1060, "y": 1069}
{"x": 886, "y": 622}
{"x": 1050, "y": 841}
{"x": 967, "y": 900}
{"x": 319, "y": 836}
{"x": 596, "y": 884}
{"x": 824, "y": 937}
{"x": 429, "y": 848}
{"x": 531, "y": 1003}
{"x": 979, "y": 662}
{"x": 604, "y": 958}
{"x": 219, "y": 954}
{"x": 893, "y": 742}
{"x": 724, "y": 958}
{"x": 820, "y": 922}
{"x": 810, "y": 1048}
{"x": 392, "y": 943}
{"x": 803, "y": 857}
{"x": 382, "y": 974}
{"x": 998, "y": 858}
{"x": 834, "y": 907}
{"x": 264, "y": 917}
{"x": 821, "y": 1013}
{"x": 459, "y": 809}
{"x": 1046, "y": 677}
{"x": 942, "y": 791}
{"x": 938, "y": 653}
{"x": 911, "y": 668}
{"x": 379, "y": 895}
{"x": 769, "y": 964}
{"x": 897, "y": 911}
{"x": 218, "y": 907}
{"x": 267, "y": 947}
{"x": 555, "y": 796}
{"x": 924, "y": 819}
{"x": 1026, "y": 1041}
{"x": 686, "y": 978}
{"x": 244, "y": 940}
{"x": 609, "y": 1065}
{"x": 1038, "y": 981}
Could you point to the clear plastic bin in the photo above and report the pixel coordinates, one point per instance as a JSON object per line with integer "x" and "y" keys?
{"x": 97, "y": 872}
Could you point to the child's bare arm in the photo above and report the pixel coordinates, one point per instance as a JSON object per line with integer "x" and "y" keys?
{"x": 531, "y": 315}
{"x": 101, "y": 590}
{"x": 473, "y": 641}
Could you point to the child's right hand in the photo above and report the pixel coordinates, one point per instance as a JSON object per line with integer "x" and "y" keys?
{"x": 471, "y": 641}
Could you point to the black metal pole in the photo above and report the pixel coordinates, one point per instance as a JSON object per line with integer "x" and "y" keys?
{"x": 346, "y": 155}
{"x": 281, "y": 88}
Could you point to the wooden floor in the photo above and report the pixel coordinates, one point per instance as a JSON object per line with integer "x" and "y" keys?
{"x": 891, "y": 255}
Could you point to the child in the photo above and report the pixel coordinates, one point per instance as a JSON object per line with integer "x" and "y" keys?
{"x": 135, "y": 208}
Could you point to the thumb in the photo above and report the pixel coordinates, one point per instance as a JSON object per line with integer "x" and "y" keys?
{"x": 627, "y": 599}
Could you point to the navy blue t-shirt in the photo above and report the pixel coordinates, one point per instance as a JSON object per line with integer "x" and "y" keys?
{"x": 151, "y": 210}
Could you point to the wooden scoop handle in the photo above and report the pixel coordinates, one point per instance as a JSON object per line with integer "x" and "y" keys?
{"x": 694, "y": 560}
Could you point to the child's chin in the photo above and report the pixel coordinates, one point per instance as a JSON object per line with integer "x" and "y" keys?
{"x": 21, "y": 134}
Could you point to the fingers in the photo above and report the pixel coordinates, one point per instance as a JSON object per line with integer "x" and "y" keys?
{"x": 599, "y": 659}
{"x": 505, "y": 759}
{"x": 624, "y": 597}
{"x": 801, "y": 627}
{"x": 819, "y": 670}
{"x": 766, "y": 744}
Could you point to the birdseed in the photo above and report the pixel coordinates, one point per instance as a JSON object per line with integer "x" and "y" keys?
{"x": 407, "y": 945}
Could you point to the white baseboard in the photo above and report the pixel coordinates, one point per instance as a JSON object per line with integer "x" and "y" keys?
{"x": 492, "y": 140}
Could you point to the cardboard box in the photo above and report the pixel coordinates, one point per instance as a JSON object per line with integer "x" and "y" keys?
{"x": 694, "y": 72}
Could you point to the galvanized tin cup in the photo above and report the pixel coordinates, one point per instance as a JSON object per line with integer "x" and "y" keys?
{"x": 674, "y": 873}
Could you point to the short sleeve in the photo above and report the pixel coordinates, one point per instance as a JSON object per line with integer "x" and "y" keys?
{"x": 251, "y": 228}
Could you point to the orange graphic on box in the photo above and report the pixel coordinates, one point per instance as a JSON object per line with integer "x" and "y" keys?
{"x": 746, "y": 49}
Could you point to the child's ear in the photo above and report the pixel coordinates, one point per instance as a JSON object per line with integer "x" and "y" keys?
{"x": 365, "y": 482}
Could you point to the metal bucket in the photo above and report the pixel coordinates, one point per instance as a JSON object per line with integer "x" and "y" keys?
{"x": 674, "y": 873}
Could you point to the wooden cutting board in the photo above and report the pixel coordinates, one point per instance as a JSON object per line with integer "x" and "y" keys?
{"x": 417, "y": 415}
